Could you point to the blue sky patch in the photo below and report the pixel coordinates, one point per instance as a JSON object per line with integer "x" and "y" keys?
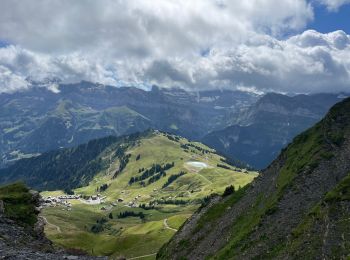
{"x": 326, "y": 21}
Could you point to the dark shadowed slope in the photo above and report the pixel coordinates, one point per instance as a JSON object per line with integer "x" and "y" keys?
{"x": 298, "y": 208}
{"x": 258, "y": 134}
{"x": 66, "y": 168}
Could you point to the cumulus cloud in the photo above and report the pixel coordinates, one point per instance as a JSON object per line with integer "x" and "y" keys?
{"x": 197, "y": 44}
{"x": 334, "y": 5}
{"x": 19, "y": 64}
{"x": 142, "y": 28}
{"x": 309, "y": 62}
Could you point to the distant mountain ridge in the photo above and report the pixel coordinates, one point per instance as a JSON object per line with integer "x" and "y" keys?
{"x": 241, "y": 125}
{"x": 39, "y": 120}
{"x": 258, "y": 133}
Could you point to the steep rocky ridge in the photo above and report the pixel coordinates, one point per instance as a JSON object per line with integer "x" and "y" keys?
{"x": 298, "y": 207}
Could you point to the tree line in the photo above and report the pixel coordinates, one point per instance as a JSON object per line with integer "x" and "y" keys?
{"x": 123, "y": 160}
{"x": 172, "y": 178}
{"x": 170, "y": 201}
{"x": 126, "y": 214}
{"x": 155, "y": 169}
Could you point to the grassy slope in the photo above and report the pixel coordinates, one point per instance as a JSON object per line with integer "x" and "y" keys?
{"x": 18, "y": 203}
{"x": 305, "y": 153}
{"x": 301, "y": 157}
{"x": 130, "y": 236}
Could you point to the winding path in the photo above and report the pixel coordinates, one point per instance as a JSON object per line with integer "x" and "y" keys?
{"x": 165, "y": 222}
{"x": 52, "y": 225}
{"x": 205, "y": 178}
{"x": 142, "y": 256}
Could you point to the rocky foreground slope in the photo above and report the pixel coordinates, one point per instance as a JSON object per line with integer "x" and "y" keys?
{"x": 21, "y": 230}
{"x": 298, "y": 208}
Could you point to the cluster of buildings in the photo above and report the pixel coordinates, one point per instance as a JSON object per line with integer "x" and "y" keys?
{"x": 65, "y": 200}
{"x": 62, "y": 200}
{"x": 95, "y": 199}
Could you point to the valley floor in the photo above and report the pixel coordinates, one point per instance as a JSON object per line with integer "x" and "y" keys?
{"x": 130, "y": 237}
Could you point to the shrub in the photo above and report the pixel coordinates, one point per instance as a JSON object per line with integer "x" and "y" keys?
{"x": 19, "y": 204}
{"x": 228, "y": 191}
{"x": 68, "y": 191}
{"x": 97, "y": 228}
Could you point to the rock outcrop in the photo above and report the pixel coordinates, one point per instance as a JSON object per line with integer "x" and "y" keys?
{"x": 22, "y": 231}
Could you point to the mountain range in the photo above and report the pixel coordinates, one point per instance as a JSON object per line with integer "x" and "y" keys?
{"x": 241, "y": 125}
{"x": 39, "y": 120}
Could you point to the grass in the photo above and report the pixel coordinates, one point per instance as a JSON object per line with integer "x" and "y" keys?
{"x": 329, "y": 208}
{"x": 177, "y": 220}
{"x": 218, "y": 209}
{"x": 129, "y": 237}
{"x": 341, "y": 192}
{"x": 18, "y": 203}
{"x": 303, "y": 154}
{"x": 132, "y": 237}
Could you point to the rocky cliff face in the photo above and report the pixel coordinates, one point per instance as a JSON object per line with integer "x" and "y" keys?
{"x": 298, "y": 208}
{"x": 22, "y": 231}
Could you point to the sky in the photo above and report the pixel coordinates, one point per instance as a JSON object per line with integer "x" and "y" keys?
{"x": 289, "y": 46}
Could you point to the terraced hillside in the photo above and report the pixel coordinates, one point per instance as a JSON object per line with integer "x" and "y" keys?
{"x": 144, "y": 187}
{"x": 298, "y": 208}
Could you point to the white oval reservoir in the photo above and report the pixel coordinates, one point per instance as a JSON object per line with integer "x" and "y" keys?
{"x": 198, "y": 165}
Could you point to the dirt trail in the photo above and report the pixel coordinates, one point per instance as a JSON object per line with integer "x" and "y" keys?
{"x": 142, "y": 256}
{"x": 52, "y": 225}
{"x": 167, "y": 226}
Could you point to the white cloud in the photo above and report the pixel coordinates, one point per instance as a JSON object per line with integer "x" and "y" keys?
{"x": 140, "y": 27}
{"x": 192, "y": 44}
{"x": 18, "y": 64}
{"x": 309, "y": 62}
{"x": 10, "y": 81}
{"x": 333, "y": 5}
